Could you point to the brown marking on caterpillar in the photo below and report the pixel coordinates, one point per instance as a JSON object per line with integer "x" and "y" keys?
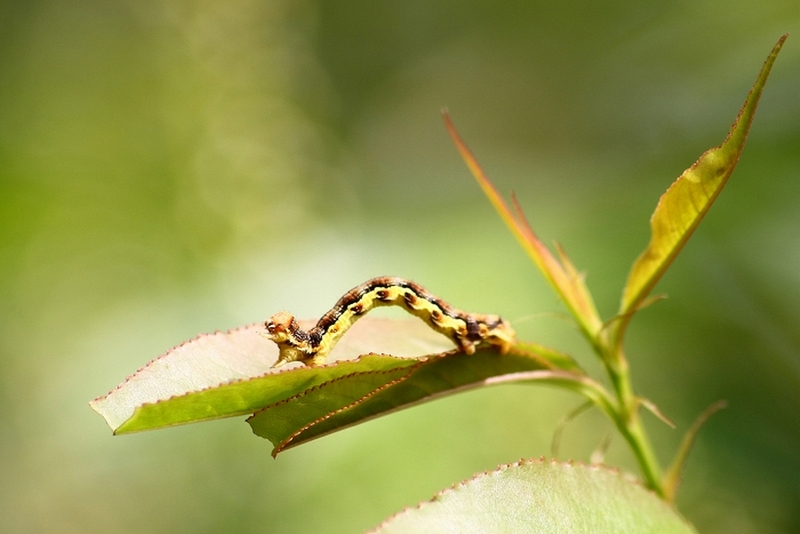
{"x": 311, "y": 347}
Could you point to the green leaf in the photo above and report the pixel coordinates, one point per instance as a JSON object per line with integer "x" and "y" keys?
{"x": 688, "y": 199}
{"x": 355, "y": 398}
{"x": 229, "y": 373}
{"x": 540, "y": 496}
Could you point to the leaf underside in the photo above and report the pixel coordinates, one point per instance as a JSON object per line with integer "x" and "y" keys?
{"x": 542, "y": 496}
{"x": 364, "y": 395}
{"x": 229, "y": 373}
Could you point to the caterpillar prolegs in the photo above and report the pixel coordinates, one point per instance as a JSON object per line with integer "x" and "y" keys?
{"x": 311, "y": 347}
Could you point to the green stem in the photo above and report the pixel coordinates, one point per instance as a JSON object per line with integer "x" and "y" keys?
{"x": 628, "y": 421}
{"x": 636, "y": 436}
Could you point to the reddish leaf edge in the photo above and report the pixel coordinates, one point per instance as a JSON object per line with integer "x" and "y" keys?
{"x": 549, "y": 373}
{"x": 543, "y": 377}
{"x": 413, "y": 362}
{"x": 166, "y": 353}
{"x": 276, "y": 372}
{"x": 288, "y": 442}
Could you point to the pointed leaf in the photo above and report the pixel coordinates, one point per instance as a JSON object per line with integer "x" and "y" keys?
{"x": 229, "y": 373}
{"x": 207, "y": 378}
{"x": 355, "y": 398}
{"x": 567, "y": 282}
{"x": 688, "y": 199}
{"x": 540, "y": 496}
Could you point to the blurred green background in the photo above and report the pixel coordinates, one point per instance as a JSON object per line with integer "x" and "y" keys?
{"x": 172, "y": 167}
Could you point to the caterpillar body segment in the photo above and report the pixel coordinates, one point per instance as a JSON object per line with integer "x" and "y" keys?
{"x": 311, "y": 347}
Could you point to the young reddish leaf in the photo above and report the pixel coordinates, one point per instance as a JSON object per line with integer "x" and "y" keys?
{"x": 359, "y": 397}
{"x": 564, "y": 278}
{"x": 688, "y": 199}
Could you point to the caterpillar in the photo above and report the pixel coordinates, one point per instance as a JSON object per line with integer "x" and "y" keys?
{"x": 311, "y": 347}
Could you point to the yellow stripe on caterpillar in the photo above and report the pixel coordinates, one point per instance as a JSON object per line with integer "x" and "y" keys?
{"x": 311, "y": 347}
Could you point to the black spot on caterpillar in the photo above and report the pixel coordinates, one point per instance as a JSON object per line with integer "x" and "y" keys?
{"x": 312, "y": 347}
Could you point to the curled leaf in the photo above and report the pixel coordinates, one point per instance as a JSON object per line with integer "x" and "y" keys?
{"x": 688, "y": 199}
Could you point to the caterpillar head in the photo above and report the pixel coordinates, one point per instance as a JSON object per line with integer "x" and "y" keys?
{"x": 281, "y": 327}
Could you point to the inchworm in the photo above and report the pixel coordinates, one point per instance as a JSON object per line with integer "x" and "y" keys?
{"x": 312, "y": 347}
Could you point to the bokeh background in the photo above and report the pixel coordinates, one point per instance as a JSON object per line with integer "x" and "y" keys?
{"x": 175, "y": 167}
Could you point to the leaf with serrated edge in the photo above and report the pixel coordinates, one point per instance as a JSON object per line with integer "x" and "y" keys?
{"x": 354, "y": 399}
{"x": 542, "y": 496}
{"x": 229, "y": 373}
{"x": 207, "y": 377}
{"x": 285, "y": 423}
{"x": 688, "y": 199}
